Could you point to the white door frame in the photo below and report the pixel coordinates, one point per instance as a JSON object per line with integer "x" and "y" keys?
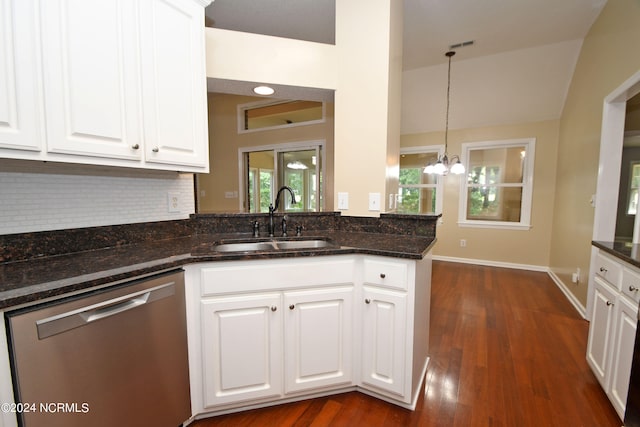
{"x": 606, "y": 198}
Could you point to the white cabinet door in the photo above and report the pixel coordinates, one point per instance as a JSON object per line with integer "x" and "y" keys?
{"x": 91, "y": 78}
{"x": 626, "y": 321}
{"x": 21, "y": 125}
{"x": 384, "y": 324}
{"x": 318, "y": 338}
{"x": 242, "y": 348}
{"x": 174, "y": 84}
{"x": 600, "y": 330}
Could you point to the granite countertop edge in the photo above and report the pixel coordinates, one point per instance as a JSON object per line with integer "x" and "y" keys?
{"x": 621, "y": 250}
{"x": 26, "y": 283}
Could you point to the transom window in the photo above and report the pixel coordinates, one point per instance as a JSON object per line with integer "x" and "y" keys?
{"x": 419, "y": 193}
{"x": 498, "y": 188}
{"x": 269, "y": 115}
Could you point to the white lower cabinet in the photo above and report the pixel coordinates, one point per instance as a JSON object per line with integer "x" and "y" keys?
{"x": 626, "y": 320}
{"x": 601, "y": 330}
{"x": 268, "y": 331}
{"x": 318, "y": 338}
{"x": 242, "y": 348}
{"x": 383, "y": 339}
{"x": 248, "y": 339}
{"x": 612, "y": 331}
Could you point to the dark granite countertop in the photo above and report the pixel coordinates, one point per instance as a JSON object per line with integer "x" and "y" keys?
{"x": 32, "y": 280}
{"x": 625, "y": 251}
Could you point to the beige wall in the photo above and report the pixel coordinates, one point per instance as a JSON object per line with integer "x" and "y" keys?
{"x": 530, "y": 247}
{"x": 367, "y": 124}
{"x": 362, "y": 67}
{"x": 609, "y": 56}
{"x": 224, "y": 142}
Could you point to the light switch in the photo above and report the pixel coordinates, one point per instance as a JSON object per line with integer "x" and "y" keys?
{"x": 374, "y": 201}
{"x": 343, "y": 201}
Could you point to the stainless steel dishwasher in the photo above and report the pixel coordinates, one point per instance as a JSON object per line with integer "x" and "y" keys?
{"x": 116, "y": 357}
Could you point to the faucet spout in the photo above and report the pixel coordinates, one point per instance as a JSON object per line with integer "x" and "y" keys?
{"x": 273, "y": 208}
{"x": 293, "y": 196}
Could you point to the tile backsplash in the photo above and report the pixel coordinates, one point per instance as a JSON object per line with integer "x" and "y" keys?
{"x": 41, "y": 197}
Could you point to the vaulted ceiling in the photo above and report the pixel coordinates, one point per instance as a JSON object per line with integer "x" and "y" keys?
{"x": 518, "y": 69}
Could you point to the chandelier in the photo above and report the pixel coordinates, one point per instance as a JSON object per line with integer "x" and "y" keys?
{"x": 444, "y": 165}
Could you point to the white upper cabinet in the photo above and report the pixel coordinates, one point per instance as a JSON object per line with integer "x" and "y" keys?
{"x": 174, "y": 84}
{"x": 91, "y": 78}
{"x": 122, "y": 82}
{"x": 20, "y": 99}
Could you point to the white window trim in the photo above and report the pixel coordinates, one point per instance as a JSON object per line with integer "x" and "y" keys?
{"x": 527, "y": 185}
{"x": 439, "y": 149}
{"x": 242, "y": 107}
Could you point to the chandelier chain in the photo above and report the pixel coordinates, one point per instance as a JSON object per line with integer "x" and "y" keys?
{"x": 446, "y": 123}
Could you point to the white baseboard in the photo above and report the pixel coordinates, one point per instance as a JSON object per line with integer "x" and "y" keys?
{"x": 529, "y": 267}
{"x": 567, "y": 293}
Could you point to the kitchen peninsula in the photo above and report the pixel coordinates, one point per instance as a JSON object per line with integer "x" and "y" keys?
{"x": 362, "y": 299}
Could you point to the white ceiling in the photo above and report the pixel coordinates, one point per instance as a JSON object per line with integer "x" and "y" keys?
{"x": 518, "y": 70}
{"x": 430, "y": 26}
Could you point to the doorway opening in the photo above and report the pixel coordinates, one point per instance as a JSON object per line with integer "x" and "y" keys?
{"x": 297, "y": 165}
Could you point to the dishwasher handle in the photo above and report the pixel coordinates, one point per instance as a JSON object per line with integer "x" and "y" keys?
{"x": 111, "y": 309}
{"x": 73, "y": 319}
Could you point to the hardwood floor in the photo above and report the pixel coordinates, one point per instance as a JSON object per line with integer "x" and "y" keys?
{"x": 507, "y": 349}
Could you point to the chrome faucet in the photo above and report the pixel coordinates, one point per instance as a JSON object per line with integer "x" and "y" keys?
{"x": 273, "y": 208}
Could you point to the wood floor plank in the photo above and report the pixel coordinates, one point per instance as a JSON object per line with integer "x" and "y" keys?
{"x": 507, "y": 349}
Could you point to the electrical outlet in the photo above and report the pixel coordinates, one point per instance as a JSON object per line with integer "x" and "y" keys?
{"x": 463, "y": 243}
{"x": 173, "y": 202}
{"x": 575, "y": 277}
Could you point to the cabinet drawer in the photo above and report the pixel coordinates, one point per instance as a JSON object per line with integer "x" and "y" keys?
{"x": 631, "y": 283}
{"x": 384, "y": 273}
{"x": 609, "y": 269}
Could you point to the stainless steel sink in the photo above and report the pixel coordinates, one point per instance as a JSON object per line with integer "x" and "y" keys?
{"x": 272, "y": 245}
{"x": 303, "y": 244}
{"x": 245, "y": 247}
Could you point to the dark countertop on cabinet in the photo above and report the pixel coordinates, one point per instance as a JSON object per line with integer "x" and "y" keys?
{"x": 29, "y": 281}
{"x": 624, "y": 251}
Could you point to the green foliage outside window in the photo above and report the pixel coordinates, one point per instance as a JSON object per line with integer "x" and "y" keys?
{"x": 410, "y": 196}
{"x": 295, "y": 180}
{"x": 266, "y": 179}
{"x": 483, "y": 199}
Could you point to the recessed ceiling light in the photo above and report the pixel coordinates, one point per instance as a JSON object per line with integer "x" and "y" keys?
{"x": 263, "y": 90}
